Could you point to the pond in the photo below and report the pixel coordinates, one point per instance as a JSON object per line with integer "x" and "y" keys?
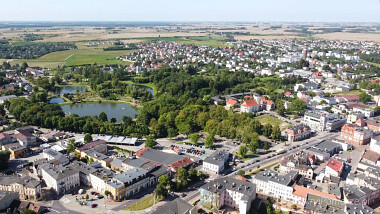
{"x": 56, "y": 100}
{"x": 146, "y": 88}
{"x": 113, "y": 110}
{"x": 69, "y": 89}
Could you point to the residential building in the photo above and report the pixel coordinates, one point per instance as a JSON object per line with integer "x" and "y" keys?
{"x": 267, "y": 105}
{"x": 301, "y": 162}
{"x": 250, "y": 106}
{"x": 334, "y": 168}
{"x": 25, "y": 138}
{"x": 7, "y": 139}
{"x": 229, "y": 192}
{"x": 116, "y": 188}
{"x": 231, "y": 103}
{"x": 215, "y": 162}
{"x": 354, "y": 194}
{"x": 375, "y": 144}
{"x": 300, "y": 194}
{"x": 51, "y": 154}
{"x": 373, "y": 125}
{"x": 6, "y": 98}
{"x": 60, "y": 179}
{"x": 100, "y": 177}
{"x": 367, "y": 112}
{"x": 27, "y": 187}
{"x": 95, "y": 146}
{"x": 316, "y": 204}
{"x": 305, "y": 86}
{"x": 354, "y": 134}
{"x": 298, "y": 132}
{"x": 326, "y": 148}
{"x": 18, "y": 151}
{"x": 371, "y": 157}
{"x": 84, "y": 172}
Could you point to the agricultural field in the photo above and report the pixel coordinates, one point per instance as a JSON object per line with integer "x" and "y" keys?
{"x": 196, "y": 40}
{"x": 268, "y": 119}
{"x": 76, "y": 57}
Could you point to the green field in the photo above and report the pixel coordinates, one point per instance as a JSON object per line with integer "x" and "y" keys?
{"x": 353, "y": 92}
{"x": 268, "y": 119}
{"x": 76, "y": 57}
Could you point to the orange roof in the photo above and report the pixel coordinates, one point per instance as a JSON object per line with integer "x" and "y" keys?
{"x": 250, "y": 103}
{"x": 181, "y": 163}
{"x": 269, "y": 102}
{"x": 301, "y": 191}
{"x": 231, "y": 102}
{"x": 242, "y": 178}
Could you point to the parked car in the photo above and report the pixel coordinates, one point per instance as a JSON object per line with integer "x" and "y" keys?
{"x": 94, "y": 205}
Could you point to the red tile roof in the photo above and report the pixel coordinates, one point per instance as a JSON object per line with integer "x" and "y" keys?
{"x": 288, "y": 93}
{"x": 335, "y": 165}
{"x": 231, "y": 102}
{"x": 250, "y": 103}
{"x": 181, "y": 163}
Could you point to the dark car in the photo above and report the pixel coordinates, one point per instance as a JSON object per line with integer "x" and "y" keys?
{"x": 94, "y": 205}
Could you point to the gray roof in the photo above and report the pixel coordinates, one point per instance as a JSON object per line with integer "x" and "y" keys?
{"x": 353, "y": 192}
{"x": 59, "y": 172}
{"x": 160, "y": 157}
{"x": 359, "y": 208}
{"x": 131, "y": 175}
{"x": 319, "y": 204}
{"x": 178, "y": 206}
{"x": 217, "y": 157}
{"x": 83, "y": 167}
{"x": 26, "y": 181}
{"x": 286, "y": 180}
{"x": 115, "y": 183}
{"x": 56, "y": 155}
{"x": 135, "y": 162}
{"x": 219, "y": 185}
{"x": 265, "y": 175}
{"x": 118, "y": 161}
{"x": 7, "y": 97}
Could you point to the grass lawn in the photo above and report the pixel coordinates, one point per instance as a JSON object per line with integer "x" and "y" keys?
{"x": 150, "y": 85}
{"x": 353, "y": 92}
{"x": 262, "y": 169}
{"x": 142, "y": 204}
{"x": 76, "y": 57}
{"x": 268, "y": 119}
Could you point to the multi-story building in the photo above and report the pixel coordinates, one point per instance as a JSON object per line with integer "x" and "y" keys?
{"x": 325, "y": 149}
{"x": 95, "y": 146}
{"x": 354, "y": 134}
{"x": 360, "y": 195}
{"x": 298, "y": 132}
{"x": 229, "y": 192}
{"x": 373, "y": 125}
{"x": 18, "y": 151}
{"x": 84, "y": 172}
{"x": 27, "y": 187}
{"x": 367, "y": 112}
{"x": 100, "y": 177}
{"x": 334, "y": 168}
{"x": 116, "y": 188}
{"x": 60, "y": 179}
{"x": 300, "y": 162}
{"x": 323, "y": 121}
{"x": 51, "y": 154}
{"x": 250, "y": 106}
{"x": 6, "y": 199}
{"x": 215, "y": 162}
{"x": 375, "y": 144}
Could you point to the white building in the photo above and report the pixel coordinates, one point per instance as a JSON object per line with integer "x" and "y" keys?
{"x": 306, "y": 86}
{"x": 322, "y": 120}
{"x": 99, "y": 178}
{"x": 60, "y": 179}
{"x": 375, "y": 144}
{"x": 367, "y": 112}
{"x": 215, "y": 162}
{"x": 233, "y": 193}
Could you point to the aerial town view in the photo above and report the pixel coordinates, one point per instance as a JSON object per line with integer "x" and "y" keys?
{"x": 187, "y": 107}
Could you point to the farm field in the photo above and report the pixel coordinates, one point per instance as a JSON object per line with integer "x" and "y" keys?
{"x": 76, "y": 57}
{"x": 268, "y": 119}
{"x": 197, "y": 40}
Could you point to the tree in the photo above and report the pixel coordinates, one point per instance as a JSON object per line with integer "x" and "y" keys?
{"x": 209, "y": 141}
{"x": 364, "y": 97}
{"x": 182, "y": 177}
{"x": 241, "y": 173}
{"x": 267, "y": 130}
{"x": 113, "y": 120}
{"x": 377, "y": 110}
{"x": 280, "y": 107}
{"x": 160, "y": 191}
{"x": 276, "y": 133}
{"x": 4, "y": 159}
{"x": 38, "y": 97}
{"x": 71, "y": 146}
{"x": 266, "y": 146}
{"x": 297, "y": 106}
{"x": 252, "y": 146}
{"x": 107, "y": 193}
{"x": 242, "y": 152}
{"x": 194, "y": 138}
{"x": 193, "y": 173}
{"x": 165, "y": 181}
{"x": 87, "y": 138}
{"x": 294, "y": 207}
{"x": 269, "y": 206}
{"x": 27, "y": 211}
{"x": 103, "y": 116}
{"x": 87, "y": 197}
{"x": 150, "y": 142}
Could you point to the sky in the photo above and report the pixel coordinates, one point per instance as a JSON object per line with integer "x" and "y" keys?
{"x": 192, "y": 10}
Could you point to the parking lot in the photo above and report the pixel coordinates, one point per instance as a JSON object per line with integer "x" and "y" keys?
{"x": 79, "y": 203}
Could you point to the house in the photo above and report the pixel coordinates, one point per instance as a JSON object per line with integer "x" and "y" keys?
{"x": 300, "y": 162}
{"x": 250, "y": 106}
{"x": 334, "y": 168}
{"x": 215, "y": 162}
{"x": 305, "y": 86}
{"x": 367, "y": 112}
{"x": 6, "y": 139}
{"x": 300, "y": 194}
{"x": 360, "y": 195}
{"x": 100, "y": 177}
{"x": 60, "y": 179}
{"x": 231, "y": 103}
{"x": 18, "y": 151}
{"x": 95, "y": 146}
{"x": 84, "y": 172}
{"x": 298, "y": 132}
{"x": 373, "y": 125}
{"x": 267, "y": 104}
{"x": 233, "y": 193}
{"x": 375, "y": 144}
{"x": 354, "y": 134}
{"x": 326, "y": 148}
{"x": 35, "y": 71}
{"x": 288, "y": 94}
{"x": 371, "y": 157}
{"x": 25, "y": 138}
